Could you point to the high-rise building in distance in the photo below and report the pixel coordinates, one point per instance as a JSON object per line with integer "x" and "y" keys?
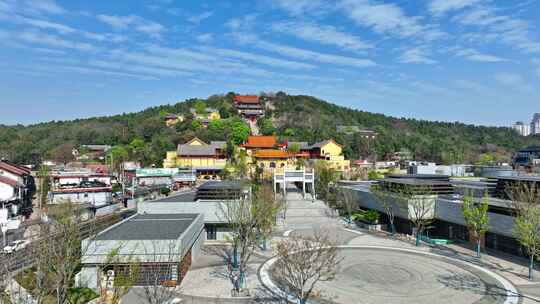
{"x": 535, "y": 124}
{"x": 522, "y": 128}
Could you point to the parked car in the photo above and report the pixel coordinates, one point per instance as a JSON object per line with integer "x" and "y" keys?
{"x": 16, "y": 246}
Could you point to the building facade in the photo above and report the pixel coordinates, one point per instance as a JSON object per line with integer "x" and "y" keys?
{"x": 249, "y": 106}
{"x": 535, "y": 124}
{"x": 162, "y": 246}
{"x": 206, "y": 159}
{"x": 17, "y": 187}
{"x": 522, "y": 128}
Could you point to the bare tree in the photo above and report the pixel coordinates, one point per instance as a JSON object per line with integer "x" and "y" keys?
{"x": 251, "y": 221}
{"x": 420, "y": 201}
{"x": 388, "y": 203}
{"x": 60, "y": 249}
{"x": 114, "y": 286}
{"x": 526, "y": 203}
{"x": 347, "y": 201}
{"x": 162, "y": 271}
{"x": 304, "y": 262}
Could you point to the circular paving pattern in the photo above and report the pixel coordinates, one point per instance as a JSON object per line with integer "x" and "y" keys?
{"x": 385, "y": 275}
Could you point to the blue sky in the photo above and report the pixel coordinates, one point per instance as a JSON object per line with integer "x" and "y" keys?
{"x": 475, "y": 61}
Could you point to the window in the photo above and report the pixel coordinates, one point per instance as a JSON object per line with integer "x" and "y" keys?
{"x": 211, "y": 232}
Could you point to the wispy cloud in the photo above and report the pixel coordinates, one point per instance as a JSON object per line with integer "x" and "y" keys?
{"x": 536, "y": 62}
{"x": 441, "y": 7}
{"x": 46, "y": 6}
{"x": 513, "y": 80}
{"x": 387, "y": 18}
{"x": 40, "y": 38}
{"x": 43, "y": 24}
{"x": 474, "y": 55}
{"x": 509, "y": 30}
{"x": 196, "y": 19}
{"x": 416, "y": 55}
{"x": 150, "y": 28}
{"x": 309, "y": 55}
{"x": 260, "y": 59}
{"x": 205, "y": 38}
{"x": 324, "y": 34}
{"x": 303, "y": 7}
{"x": 117, "y": 22}
{"x": 241, "y": 23}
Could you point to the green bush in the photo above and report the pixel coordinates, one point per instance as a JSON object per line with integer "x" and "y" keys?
{"x": 369, "y": 216}
{"x": 165, "y": 191}
{"x": 373, "y": 175}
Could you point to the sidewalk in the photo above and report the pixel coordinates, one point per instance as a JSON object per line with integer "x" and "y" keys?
{"x": 511, "y": 268}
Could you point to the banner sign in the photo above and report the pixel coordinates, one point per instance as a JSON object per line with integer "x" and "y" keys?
{"x": 156, "y": 172}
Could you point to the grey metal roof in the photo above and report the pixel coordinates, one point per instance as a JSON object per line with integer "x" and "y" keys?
{"x": 304, "y": 145}
{"x": 184, "y": 197}
{"x": 150, "y": 227}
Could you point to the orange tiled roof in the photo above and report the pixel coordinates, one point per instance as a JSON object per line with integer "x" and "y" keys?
{"x": 261, "y": 142}
{"x": 246, "y": 98}
{"x": 273, "y": 153}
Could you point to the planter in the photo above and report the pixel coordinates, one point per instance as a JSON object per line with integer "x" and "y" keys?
{"x": 242, "y": 293}
{"x": 370, "y": 226}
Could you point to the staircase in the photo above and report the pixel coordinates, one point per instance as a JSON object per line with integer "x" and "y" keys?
{"x": 252, "y": 126}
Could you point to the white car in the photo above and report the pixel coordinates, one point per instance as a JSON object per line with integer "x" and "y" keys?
{"x": 16, "y": 246}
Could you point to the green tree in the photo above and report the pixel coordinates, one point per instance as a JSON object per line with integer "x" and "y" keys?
{"x": 476, "y": 217}
{"x": 294, "y": 148}
{"x": 526, "y": 202}
{"x": 289, "y": 132}
{"x": 239, "y": 133}
{"x": 326, "y": 178}
{"x": 200, "y": 107}
{"x": 266, "y": 126}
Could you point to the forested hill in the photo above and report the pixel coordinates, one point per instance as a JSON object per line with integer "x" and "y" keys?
{"x": 299, "y": 118}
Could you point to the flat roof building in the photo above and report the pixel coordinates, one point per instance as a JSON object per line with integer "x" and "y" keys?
{"x": 162, "y": 246}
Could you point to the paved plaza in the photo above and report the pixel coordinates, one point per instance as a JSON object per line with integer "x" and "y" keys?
{"x": 368, "y": 274}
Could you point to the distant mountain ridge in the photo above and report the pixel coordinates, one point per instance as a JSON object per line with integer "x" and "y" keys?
{"x": 296, "y": 118}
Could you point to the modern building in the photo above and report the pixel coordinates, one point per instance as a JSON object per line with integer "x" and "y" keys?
{"x": 210, "y": 199}
{"x": 161, "y": 246}
{"x": 526, "y": 158}
{"x": 249, "y": 106}
{"x": 535, "y": 124}
{"x": 74, "y": 178}
{"x": 17, "y": 187}
{"x": 523, "y": 129}
{"x": 448, "y": 222}
{"x": 207, "y": 159}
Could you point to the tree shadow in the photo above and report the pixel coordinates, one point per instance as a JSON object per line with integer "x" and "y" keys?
{"x": 492, "y": 293}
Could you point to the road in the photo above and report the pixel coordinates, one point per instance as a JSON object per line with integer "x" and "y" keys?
{"x": 22, "y": 259}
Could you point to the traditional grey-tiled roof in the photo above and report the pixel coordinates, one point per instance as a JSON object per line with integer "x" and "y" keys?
{"x": 320, "y": 144}
{"x": 196, "y": 150}
{"x": 150, "y": 227}
{"x": 304, "y": 145}
{"x": 219, "y": 143}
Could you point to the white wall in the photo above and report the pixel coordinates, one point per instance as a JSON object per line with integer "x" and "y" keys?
{"x": 11, "y": 176}
{"x": 7, "y": 192}
{"x": 94, "y": 198}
